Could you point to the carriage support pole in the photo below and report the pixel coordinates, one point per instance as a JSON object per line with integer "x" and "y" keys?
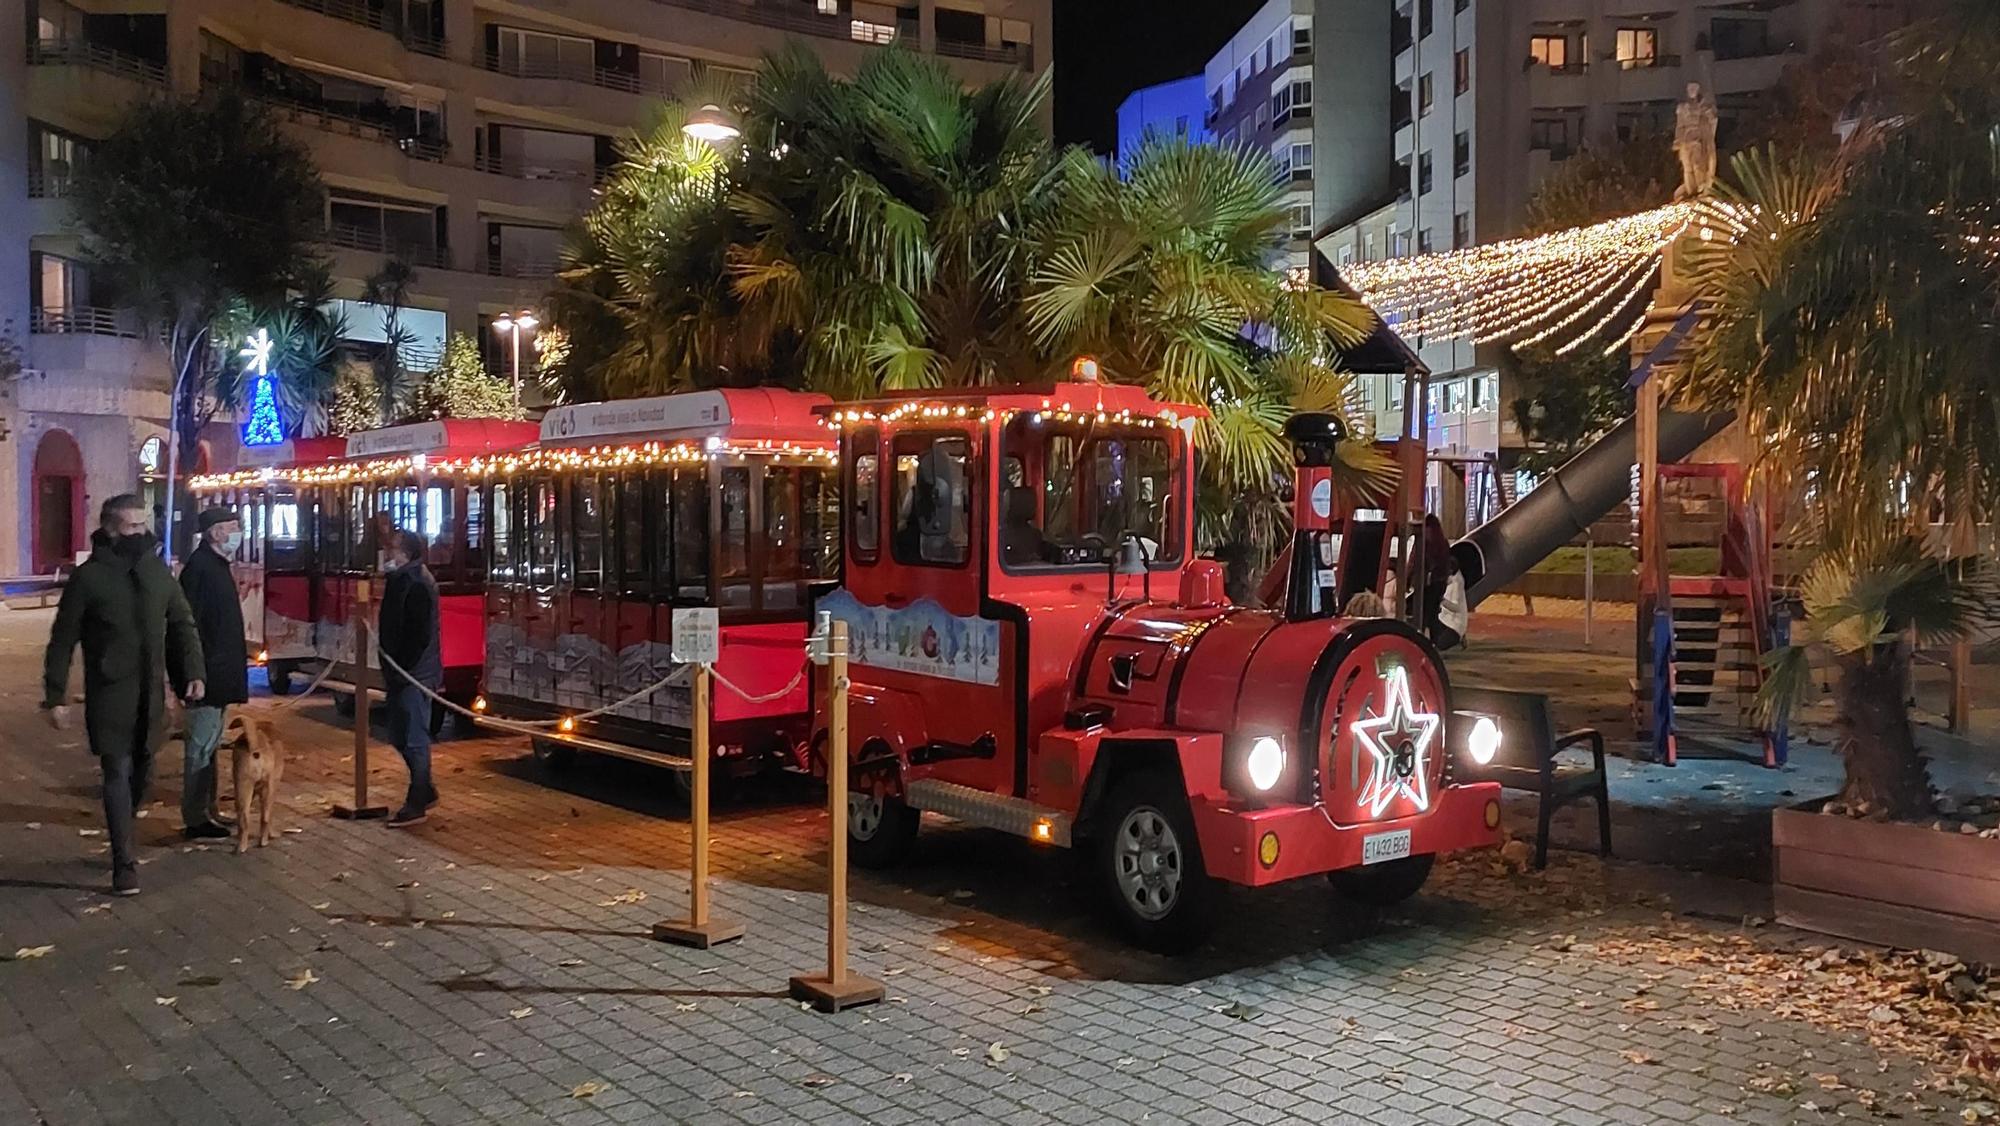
{"x": 360, "y": 810}
{"x": 836, "y": 989}
{"x": 698, "y": 930}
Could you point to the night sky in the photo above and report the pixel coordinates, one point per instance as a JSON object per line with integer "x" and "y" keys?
{"x": 1105, "y": 49}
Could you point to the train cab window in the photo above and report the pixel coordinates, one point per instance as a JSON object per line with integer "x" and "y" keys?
{"x": 733, "y": 585}
{"x": 284, "y": 547}
{"x": 437, "y": 525}
{"x": 1082, "y": 489}
{"x": 541, "y": 528}
{"x": 865, "y": 523}
{"x": 819, "y": 523}
{"x": 933, "y": 502}
{"x": 629, "y": 517}
{"x": 587, "y": 507}
{"x": 500, "y": 534}
{"x": 690, "y": 521}
{"x": 782, "y": 538}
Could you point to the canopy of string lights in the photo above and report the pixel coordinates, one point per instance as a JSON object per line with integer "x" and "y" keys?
{"x": 1587, "y": 286}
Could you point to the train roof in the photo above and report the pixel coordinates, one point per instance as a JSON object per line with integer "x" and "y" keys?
{"x": 291, "y": 452}
{"x": 733, "y": 414}
{"x": 1068, "y": 397}
{"x": 442, "y": 438}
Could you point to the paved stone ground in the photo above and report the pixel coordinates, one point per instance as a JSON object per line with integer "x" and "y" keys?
{"x": 494, "y": 966}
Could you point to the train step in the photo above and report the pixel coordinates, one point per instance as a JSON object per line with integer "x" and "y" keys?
{"x": 1018, "y": 816}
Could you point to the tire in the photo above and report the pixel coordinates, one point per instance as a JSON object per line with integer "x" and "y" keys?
{"x": 680, "y": 785}
{"x": 343, "y": 704}
{"x": 881, "y": 831}
{"x": 552, "y": 754}
{"x": 1149, "y": 865}
{"x": 1386, "y": 884}
{"x": 278, "y": 676}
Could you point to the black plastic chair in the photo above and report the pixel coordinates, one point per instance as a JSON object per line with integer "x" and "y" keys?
{"x": 1527, "y": 759}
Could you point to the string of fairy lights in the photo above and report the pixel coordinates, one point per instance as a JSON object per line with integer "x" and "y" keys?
{"x": 642, "y": 455}
{"x": 1563, "y": 291}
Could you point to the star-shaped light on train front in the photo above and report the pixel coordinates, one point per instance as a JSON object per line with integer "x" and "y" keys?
{"x": 1399, "y": 743}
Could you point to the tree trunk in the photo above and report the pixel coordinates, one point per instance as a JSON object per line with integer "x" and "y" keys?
{"x": 1884, "y": 769}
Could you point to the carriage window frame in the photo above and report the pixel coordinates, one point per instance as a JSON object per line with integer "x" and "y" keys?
{"x": 542, "y": 531}
{"x": 634, "y": 578}
{"x": 475, "y": 510}
{"x": 701, "y": 482}
{"x": 863, "y": 521}
{"x": 921, "y": 442}
{"x": 499, "y": 538}
{"x": 579, "y": 577}
{"x": 297, "y": 553}
{"x": 1085, "y": 442}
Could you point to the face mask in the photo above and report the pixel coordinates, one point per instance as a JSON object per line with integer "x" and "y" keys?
{"x": 231, "y": 543}
{"x": 134, "y": 545}
{"x": 390, "y": 563}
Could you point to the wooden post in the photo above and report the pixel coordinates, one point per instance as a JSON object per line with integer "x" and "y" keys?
{"x": 360, "y": 810}
{"x": 1589, "y": 581}
{"x": 698, "y": 930}
{"x": 838, "y": 989}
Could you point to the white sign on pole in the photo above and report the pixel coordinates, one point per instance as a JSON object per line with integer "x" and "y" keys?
{"x": 697, "y": 635}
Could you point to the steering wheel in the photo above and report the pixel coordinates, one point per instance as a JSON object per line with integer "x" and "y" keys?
{"x": 1090, "y": 540}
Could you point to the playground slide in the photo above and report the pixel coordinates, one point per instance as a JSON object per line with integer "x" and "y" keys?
{"x": 1572, "y": 498}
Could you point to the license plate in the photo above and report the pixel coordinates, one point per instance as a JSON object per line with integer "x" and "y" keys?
{"x": 1385, "y": 846}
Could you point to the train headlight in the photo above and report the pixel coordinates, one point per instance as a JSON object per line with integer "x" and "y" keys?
{"x": 1265, "y": 763}
{"x": 1483, "y": 741}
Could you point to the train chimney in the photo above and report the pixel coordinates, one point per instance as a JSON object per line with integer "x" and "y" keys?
{"x": 1315, "y": 438}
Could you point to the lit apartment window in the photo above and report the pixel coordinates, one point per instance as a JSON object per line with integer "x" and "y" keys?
{"x": 1461, "y": 70}
{"x": 1461, "y": 231}
{"x": 1638, "y": 47}
{"x": 1551, "y": 51}
{"x": 1424, "y": 95}
{"x": 868, "y": 31}
{"x": 828, "y": 7}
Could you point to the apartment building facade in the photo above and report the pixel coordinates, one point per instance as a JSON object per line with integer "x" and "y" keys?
{"x": 461, "y": 136}
{"x": 1490, "y": 96}
{"x": 1175, "y": 108}
{"x": 1289, "y": 83}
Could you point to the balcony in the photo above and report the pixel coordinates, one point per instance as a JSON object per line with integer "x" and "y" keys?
{"x": 358, "y": 12}
{"x": 85, "y": 320}
{"x": 588, "y": 75}
{"x": 517, "y": 167}
{"x": 348, "y": 237}
{"x": 77, "y": 52}
{"x": 501, "y": 264}
{"x": 49, "y": 183}
{"x": 351, "y": 123}
{"x": 1009, "y": 53}
{"x": 1649, "y": 62}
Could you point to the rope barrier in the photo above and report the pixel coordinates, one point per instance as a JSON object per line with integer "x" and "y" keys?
{"x": 300, "y": 697}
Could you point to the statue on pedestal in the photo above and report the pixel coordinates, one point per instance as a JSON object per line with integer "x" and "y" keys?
{"x": 1695, "y": 119}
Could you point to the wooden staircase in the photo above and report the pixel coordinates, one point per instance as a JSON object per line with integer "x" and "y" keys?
{"x": 1715, "y": 667}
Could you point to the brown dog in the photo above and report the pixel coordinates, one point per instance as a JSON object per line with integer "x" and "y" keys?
{"x": 259, "y": 763}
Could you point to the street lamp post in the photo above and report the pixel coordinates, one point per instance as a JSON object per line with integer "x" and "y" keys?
{"x": 514, "y": 324}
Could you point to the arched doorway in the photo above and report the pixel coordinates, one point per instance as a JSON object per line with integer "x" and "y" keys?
{"x": 58, "y": 501}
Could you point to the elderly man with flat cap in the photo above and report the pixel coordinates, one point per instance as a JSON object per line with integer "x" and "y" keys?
{"x": 218, "y": 617}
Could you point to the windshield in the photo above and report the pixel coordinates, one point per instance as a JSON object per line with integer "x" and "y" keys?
{"x": 1071, "y": 492}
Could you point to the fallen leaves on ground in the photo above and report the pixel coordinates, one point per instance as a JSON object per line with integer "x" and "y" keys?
{"x": 996, "y": 1052}
{"x": 27, "y": 952}
{"x": 165, "y": 1000}
{"x": 630, "y": 895}
{"x": 818, "y": 1081}
{"x": 521, "y": 1013}
{"x": 586, "y": 1090}
{"x": 301, "y": 979}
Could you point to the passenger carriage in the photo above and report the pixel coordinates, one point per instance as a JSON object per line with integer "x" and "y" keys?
{"x": 630, "y": 510}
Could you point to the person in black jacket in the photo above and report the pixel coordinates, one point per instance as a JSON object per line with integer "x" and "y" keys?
{"x": 411, "y": 663}
{"x": 218, "y": 617}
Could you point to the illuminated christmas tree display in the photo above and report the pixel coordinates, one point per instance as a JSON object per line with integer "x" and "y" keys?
{"x": 265, "y": 427}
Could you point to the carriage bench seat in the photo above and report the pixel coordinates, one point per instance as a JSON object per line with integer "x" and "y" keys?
{"x": 1529, "y": 760}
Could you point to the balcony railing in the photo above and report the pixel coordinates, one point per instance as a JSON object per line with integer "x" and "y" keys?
{"x": 47, "y": 183}
{"x": 589, "y": 75}
{"x": 359, "y": 12}
{"x": 1010, "y": 53}
{"x": 352, "y": 124}
{"x": 78, "y": 52}
{"x": 519, "y": 167}
{"x": 84, "y": 320}
{"x": 502, "y": 265}
{"x": 351, "y": 237}
{"x": 1649, "y": 62}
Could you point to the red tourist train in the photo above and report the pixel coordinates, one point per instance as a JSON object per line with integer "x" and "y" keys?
{"x": 1035, "y": 648}
{"x": 631, "y": 509}
{"x": 316, "y": 521}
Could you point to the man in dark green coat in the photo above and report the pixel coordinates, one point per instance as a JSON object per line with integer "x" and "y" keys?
{"x": 125, "y": 608}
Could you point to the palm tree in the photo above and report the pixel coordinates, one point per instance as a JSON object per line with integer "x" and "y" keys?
{"x": 1165, "y": 277}
{"x": 1850, "y": 322}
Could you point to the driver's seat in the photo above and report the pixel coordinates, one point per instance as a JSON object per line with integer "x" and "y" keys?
{"x": 1020, "y": 540}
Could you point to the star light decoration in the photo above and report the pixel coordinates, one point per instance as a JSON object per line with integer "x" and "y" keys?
{"x": 1384, "y": 735}
{"x": 265, "y": 427}
{"x": 1562, "y": 290}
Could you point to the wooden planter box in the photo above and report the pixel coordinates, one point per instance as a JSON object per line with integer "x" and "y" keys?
{"x": 1897, "y": 885}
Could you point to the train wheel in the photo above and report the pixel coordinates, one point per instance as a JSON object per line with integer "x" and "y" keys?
{"x": 552, "y": 754}
{"x": 1150, "y": 864}
{"x": 278, "y": 675}
{"x": 680, "y": 783}
{"x": 343, "y": 703}
{"x": 1386, "y": 884}
{"x": 881, "y": 830}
